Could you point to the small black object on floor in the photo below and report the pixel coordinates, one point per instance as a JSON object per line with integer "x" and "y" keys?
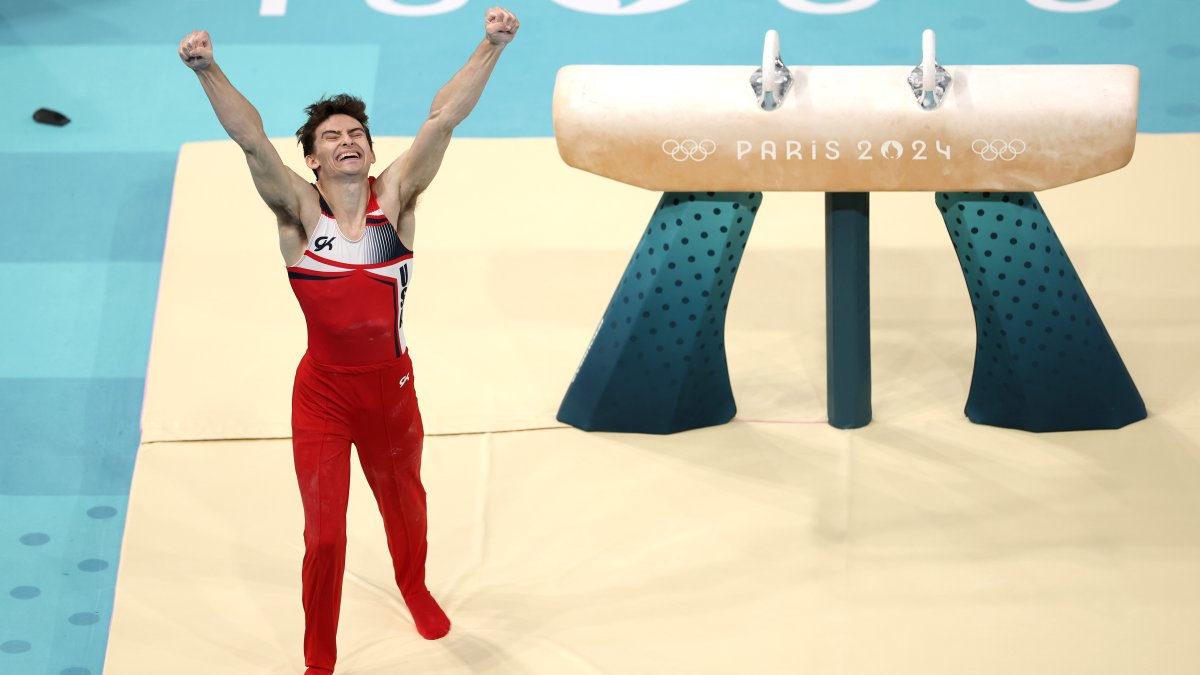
{"x": 52, "y": 117}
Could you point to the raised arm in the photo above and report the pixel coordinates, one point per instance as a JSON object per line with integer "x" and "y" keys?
{"x": 279, "y": 186}
{"x": 411, "y": 173}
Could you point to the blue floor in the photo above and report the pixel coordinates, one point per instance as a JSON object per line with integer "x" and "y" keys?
{"x": 87, "y": 204}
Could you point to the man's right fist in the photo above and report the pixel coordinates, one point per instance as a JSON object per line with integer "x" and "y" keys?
{"x": 196, "y": 50}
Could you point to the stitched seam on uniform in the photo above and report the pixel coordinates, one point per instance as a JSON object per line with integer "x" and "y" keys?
{"x": 325, "y": 406}
{"x": 403, "y": 516}
{"x": 326, "y": 418}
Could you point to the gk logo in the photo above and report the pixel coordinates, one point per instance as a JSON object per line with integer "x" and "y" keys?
{"x": 404, "y": 380}
{"x": 324, "y": 243}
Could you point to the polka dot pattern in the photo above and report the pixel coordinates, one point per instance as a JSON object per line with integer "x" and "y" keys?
{"x": 25, "y": 592}
{"x": 101, "y": 512}
{"x": 83, "y": 619}
{"x": 69, "y": 538}
{"x": 968, "y": 22}
{"x": 1184, "y": 51}
{"x": 1041, "y": 52}
{"x": 657, "y": 361}
{"x": 1183, "y": 110}
{"x": 93, "y": 565}
{"x": 1043, "y": 360}
{"x": 1117, "y": 22}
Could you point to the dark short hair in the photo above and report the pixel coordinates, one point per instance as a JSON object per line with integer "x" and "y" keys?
{"x": 342, "y": 104}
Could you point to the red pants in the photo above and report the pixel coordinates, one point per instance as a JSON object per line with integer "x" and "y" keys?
{"x": 375, "y": 408}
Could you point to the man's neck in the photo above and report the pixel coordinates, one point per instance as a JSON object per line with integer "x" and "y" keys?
{"x": 348, "y": 197}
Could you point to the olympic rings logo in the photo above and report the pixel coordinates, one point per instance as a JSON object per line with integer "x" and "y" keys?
{"x": 682, "y": 151}
{"x": 1004, "y": 150}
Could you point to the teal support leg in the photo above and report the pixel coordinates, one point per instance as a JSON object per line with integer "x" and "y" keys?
{"x": 848, "y": 308}
{"x": 1043, "y": 359}
{"x": 657, "y": 361}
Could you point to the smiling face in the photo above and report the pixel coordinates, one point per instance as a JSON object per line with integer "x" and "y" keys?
{"x": 341, "y": 147}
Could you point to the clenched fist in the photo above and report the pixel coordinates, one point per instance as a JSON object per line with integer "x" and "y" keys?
{"x": 196, "y": 50}
{"x": 501, "y": 26}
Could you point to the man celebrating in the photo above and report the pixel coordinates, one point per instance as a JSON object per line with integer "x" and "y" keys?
{"x": 348, "y": 244}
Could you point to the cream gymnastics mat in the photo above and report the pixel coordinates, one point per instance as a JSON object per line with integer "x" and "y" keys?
{"x": 517, "y": 256}
{"x": 920, "y": 544}
{"x": 929, "y": 547}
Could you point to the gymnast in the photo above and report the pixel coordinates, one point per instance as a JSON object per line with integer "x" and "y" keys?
{"x": 347, "y": 241}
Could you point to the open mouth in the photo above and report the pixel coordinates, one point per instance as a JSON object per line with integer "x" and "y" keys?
{"x": 348, "y": 155}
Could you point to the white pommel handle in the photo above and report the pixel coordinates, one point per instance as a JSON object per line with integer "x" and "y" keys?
{"x": 770, "y": 57}
{"x": 928, "y": 60}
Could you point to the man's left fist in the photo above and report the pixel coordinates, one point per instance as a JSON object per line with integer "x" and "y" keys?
{"x": 501, "y": 26}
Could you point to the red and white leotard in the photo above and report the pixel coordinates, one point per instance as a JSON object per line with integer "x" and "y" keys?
{"x": 352, "y": 291}
{"x": 356, "y": 386}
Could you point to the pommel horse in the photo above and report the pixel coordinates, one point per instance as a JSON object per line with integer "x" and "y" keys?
{"x": 984, "y": 139}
